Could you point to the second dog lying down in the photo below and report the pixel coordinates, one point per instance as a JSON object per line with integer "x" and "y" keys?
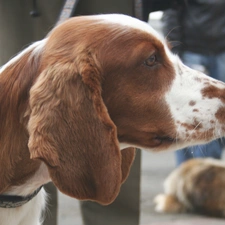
{"x": 198, "y": 186}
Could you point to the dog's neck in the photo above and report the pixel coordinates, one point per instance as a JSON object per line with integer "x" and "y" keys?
{"x": 19, "y": 174}
{"x": 40, "y": 177}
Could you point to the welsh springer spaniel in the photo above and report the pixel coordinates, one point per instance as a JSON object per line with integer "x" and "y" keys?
{"x": 93, "y": 86}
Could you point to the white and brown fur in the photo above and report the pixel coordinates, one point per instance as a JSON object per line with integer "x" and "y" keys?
{"x": 93, "y": 86}
{"x": 195, "y": 186}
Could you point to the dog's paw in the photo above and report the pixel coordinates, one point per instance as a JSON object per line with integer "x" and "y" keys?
{"x": 160, "y": 203}
{"x": 168, "y": 204}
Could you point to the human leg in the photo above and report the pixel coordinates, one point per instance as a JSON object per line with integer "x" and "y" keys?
{"x": 219, "y": 67}
{"x": 182, "y": 155}
{"x": 212, "y": 149}
{"x": 195, "y": 61}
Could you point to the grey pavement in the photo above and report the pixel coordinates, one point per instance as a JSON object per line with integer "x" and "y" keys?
{"x": 155, "y": 168}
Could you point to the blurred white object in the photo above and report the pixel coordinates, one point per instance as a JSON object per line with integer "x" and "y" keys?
{"x": 156, "y": 15}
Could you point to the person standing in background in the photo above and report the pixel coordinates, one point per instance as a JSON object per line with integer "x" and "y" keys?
{"x": 196, "y": 32}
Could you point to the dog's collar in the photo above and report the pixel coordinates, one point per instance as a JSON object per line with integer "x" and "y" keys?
{"x": 13, "y": 201}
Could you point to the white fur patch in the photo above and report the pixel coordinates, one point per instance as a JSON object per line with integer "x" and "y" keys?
{"x": 160, "y": 201}
{"x": 186, "y": 88}
{"x": 28, "y": 214}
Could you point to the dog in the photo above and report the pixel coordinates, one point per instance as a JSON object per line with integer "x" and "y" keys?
{"x": 196, "y": 186}
{"x": 94, "y": 86}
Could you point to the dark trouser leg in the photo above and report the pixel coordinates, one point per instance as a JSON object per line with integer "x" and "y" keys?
{"x": 212, "y": 150}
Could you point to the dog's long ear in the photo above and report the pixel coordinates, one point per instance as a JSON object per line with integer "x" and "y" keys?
{"x": 128, "y": 156}
{"x": 71, "y": 131}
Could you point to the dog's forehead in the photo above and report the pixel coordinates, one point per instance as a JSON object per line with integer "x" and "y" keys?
{"x": 132, "y": 22}
{"x": 129, "y": 21}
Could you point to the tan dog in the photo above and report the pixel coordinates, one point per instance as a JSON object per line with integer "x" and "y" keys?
{"x": 197, "y": 186}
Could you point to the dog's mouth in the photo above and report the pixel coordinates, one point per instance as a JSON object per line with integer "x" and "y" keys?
{"x": 150, "y": 141}
{"x": 164, "y": 140}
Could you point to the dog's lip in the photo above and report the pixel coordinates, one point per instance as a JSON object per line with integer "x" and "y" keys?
{"x": 165, "y": 139}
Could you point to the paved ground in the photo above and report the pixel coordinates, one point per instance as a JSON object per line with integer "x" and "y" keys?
{"x": 155, "y": 168}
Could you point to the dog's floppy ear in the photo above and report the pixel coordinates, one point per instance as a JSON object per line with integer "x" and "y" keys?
{"x": 128, "y": 155}
{"x": 71, "y": 131}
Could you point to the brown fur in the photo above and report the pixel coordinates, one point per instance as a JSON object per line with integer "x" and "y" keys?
{"x": 15, "y": 82}
{"x": 202, "y": 189}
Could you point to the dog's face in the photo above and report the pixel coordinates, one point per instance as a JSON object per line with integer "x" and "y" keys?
{"x": 107, "y": 79}
{"x": 173, "y": 105}
{"x": 154, "y": 100}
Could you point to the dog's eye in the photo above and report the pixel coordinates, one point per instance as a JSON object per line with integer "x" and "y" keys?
{"x": 151, "y": 61}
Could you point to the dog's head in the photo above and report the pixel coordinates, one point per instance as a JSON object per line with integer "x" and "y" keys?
{"x": 110, "y": 79}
